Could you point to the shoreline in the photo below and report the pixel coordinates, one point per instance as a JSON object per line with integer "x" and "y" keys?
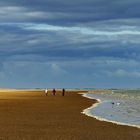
{"x": 87, "y": 112}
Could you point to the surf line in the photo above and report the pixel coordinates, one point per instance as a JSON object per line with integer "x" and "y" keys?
{"x": 87, "y": 112}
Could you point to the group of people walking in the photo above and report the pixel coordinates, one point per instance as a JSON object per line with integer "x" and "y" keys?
{"x": 54, "y": 92}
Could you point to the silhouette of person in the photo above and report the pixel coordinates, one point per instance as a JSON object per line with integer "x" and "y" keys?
{"x": 54, "y": 91}
{"x": 63, "y": 92}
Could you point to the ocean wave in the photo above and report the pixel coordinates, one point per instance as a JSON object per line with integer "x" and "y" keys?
{"x": 89, "y": 112}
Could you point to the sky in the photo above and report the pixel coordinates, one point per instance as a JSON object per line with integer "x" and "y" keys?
{"x": 69, "y": 44}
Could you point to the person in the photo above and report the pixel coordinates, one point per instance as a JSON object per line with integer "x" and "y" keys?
{"x": 46, "y": 92}
{"x": 63, "y": 92}
{"x": 54, "y": 91}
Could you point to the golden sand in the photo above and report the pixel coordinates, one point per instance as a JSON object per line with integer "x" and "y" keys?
{"x": 30, "y": 115}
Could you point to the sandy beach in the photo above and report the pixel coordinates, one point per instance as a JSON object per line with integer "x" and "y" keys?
{"x": 30, "y": 115}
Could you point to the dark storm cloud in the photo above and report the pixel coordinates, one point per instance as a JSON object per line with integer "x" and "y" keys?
{"x": 68, "y": 12}
{"x": 45, "y": 52}
{"x": 55, "y": 42}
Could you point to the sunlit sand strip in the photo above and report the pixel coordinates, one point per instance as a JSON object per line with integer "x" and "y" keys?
{"x": 18, "y": 93}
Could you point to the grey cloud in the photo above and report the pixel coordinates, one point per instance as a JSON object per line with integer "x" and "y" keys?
{"x": 123, "y": 73}
{"x": 70, "y": 12}
{"x": 56, "y": 42}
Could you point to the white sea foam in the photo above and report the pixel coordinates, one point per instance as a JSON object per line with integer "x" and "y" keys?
{"x": 90, "y": 111}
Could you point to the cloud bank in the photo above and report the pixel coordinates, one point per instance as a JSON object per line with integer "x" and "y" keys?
{"x": 56, "y": 43}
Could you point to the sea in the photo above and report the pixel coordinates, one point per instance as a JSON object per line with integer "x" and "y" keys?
{"x": 120, "y": 106}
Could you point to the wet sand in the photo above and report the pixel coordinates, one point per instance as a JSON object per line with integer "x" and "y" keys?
{"x": 30, "y": 115}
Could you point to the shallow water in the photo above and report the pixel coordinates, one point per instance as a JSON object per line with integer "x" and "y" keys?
{"x": 120, "y": 106}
